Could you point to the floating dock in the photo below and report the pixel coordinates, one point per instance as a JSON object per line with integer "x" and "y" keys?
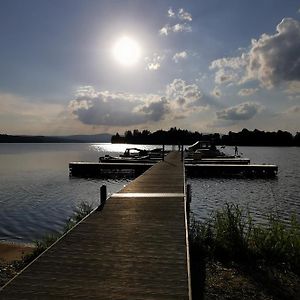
{"x": 136, "y": 247}
{"x": 236, "y": 170}
{"x": 205, "y": 168}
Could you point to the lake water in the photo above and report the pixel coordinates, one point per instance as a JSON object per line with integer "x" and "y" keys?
{"x": 37, "y": 196}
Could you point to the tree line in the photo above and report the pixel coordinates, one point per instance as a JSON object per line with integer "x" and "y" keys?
{"x": 182, "y": 136}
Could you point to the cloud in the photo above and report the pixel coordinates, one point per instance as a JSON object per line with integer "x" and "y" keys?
{"x": 181, "y": 14}
{"x": 18, "y": 115}
{"x": 247, "y": 92}
{"x": 276, "y": 58}
{"x": 216, "y": 92}
{"x": 165, "y": 30}
{"x": 271, "y": 59}
{"x": 184, "y": 15}
{"x": 180, "y": 56}
{"x": 229, "y": 70}
{"x": 171, "y": 13}
{"x": 243, "y": 111}
{"x": 228, "y": 62}
{"x": 293, "y": 110}
{"x": 107, "y": 108}
{"x": 116, "y": 109}
{"x": 225, "y": 76}
{"x": 293, "y": 88}
{"x": 154, "y": 62}
{"x": 180, "y": 27}
{"x": 185, "y": 95}
{"x": 156, "y": 109}
{"x": 181, "y": 18}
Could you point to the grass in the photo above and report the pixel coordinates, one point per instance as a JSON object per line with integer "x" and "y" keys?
{"x": 265, "y": 253}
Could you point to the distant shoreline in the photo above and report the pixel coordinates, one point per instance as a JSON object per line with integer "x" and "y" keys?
{"x": 99, "y": 138}
{"x": 173, "y": 136}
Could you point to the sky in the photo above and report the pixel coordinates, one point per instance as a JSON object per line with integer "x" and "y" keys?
{"x": 88, "y": 67}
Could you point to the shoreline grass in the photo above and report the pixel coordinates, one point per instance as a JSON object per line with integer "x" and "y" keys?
{"x": 269, "y": 254}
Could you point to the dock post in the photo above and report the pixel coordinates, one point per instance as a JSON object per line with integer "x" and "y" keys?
{"x": 181, "y": 152}
{"x": 103, "y": 194}
{"x": 163, "y": 152}
{"x": 188, "y": 202}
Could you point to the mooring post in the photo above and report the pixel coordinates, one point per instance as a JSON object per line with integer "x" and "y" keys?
{"x": 181, "y": 152}
{"x": 163, "y": 152}
{"x": 103, "y": 194}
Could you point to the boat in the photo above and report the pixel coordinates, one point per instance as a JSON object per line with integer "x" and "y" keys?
{"x": 135, "y": 155}
{"x": 205, "y": 149}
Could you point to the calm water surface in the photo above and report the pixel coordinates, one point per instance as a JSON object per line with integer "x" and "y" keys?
{"x": 37, "y": 196}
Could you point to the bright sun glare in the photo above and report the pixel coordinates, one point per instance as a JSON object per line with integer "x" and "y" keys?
{"x": 127, "y": 51}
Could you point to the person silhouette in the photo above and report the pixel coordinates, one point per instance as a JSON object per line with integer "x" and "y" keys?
{"x": 236, "y": 151}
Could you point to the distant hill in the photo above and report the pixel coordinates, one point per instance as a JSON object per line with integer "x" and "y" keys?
{"x": 96, "y": 138}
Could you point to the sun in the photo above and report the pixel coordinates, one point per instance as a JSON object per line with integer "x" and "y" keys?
{"x": 127, "y": 51}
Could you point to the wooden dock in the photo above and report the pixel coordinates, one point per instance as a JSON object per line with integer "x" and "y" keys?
{"x": 136, "y": 247}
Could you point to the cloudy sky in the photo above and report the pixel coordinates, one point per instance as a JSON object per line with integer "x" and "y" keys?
{"x": 74, "y": 66}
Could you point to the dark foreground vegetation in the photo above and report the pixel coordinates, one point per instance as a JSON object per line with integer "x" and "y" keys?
{"x": 185, "y": 137}
{"x": 232, "y": 258}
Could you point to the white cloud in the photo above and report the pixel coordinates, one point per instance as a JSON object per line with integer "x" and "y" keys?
{"x": 182, "y": 27}
{"x": 179, "y": 27}
{"x": 165, "y": 30}
{"x": 247, "y": 92}
{"x": 184, "y": 15}
{"x": 93, "y": 107}
{"x": 180, "y": 56}
{"x": 243, "y": 111}
{"x": 229, "y": 70}
{"x": 153, "y": 63}
{"x": 184, "y": 98}
{"x": 225, "y": 76}
{"x": 171, "y": 13}
{"x": 181, "y": 14}
{"x": 272, "y": 59}
{"x": 228, "y": 62}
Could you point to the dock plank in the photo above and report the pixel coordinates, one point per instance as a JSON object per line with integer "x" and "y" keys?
{"x": 135, "y": 248}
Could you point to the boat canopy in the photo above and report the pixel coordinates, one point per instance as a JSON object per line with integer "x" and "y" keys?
{"x": 200, "y": 145}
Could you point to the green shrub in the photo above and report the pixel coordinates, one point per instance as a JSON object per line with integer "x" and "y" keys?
{"x": 80, "y": 212}
{"x": 278, "y": 243}
{"x": 229, "y": 234}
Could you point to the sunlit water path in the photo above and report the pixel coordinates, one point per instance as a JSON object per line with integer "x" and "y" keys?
{"x": 37, "y": 196}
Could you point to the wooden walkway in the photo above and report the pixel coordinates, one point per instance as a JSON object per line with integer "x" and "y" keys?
{"x": 135, "y": 248}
